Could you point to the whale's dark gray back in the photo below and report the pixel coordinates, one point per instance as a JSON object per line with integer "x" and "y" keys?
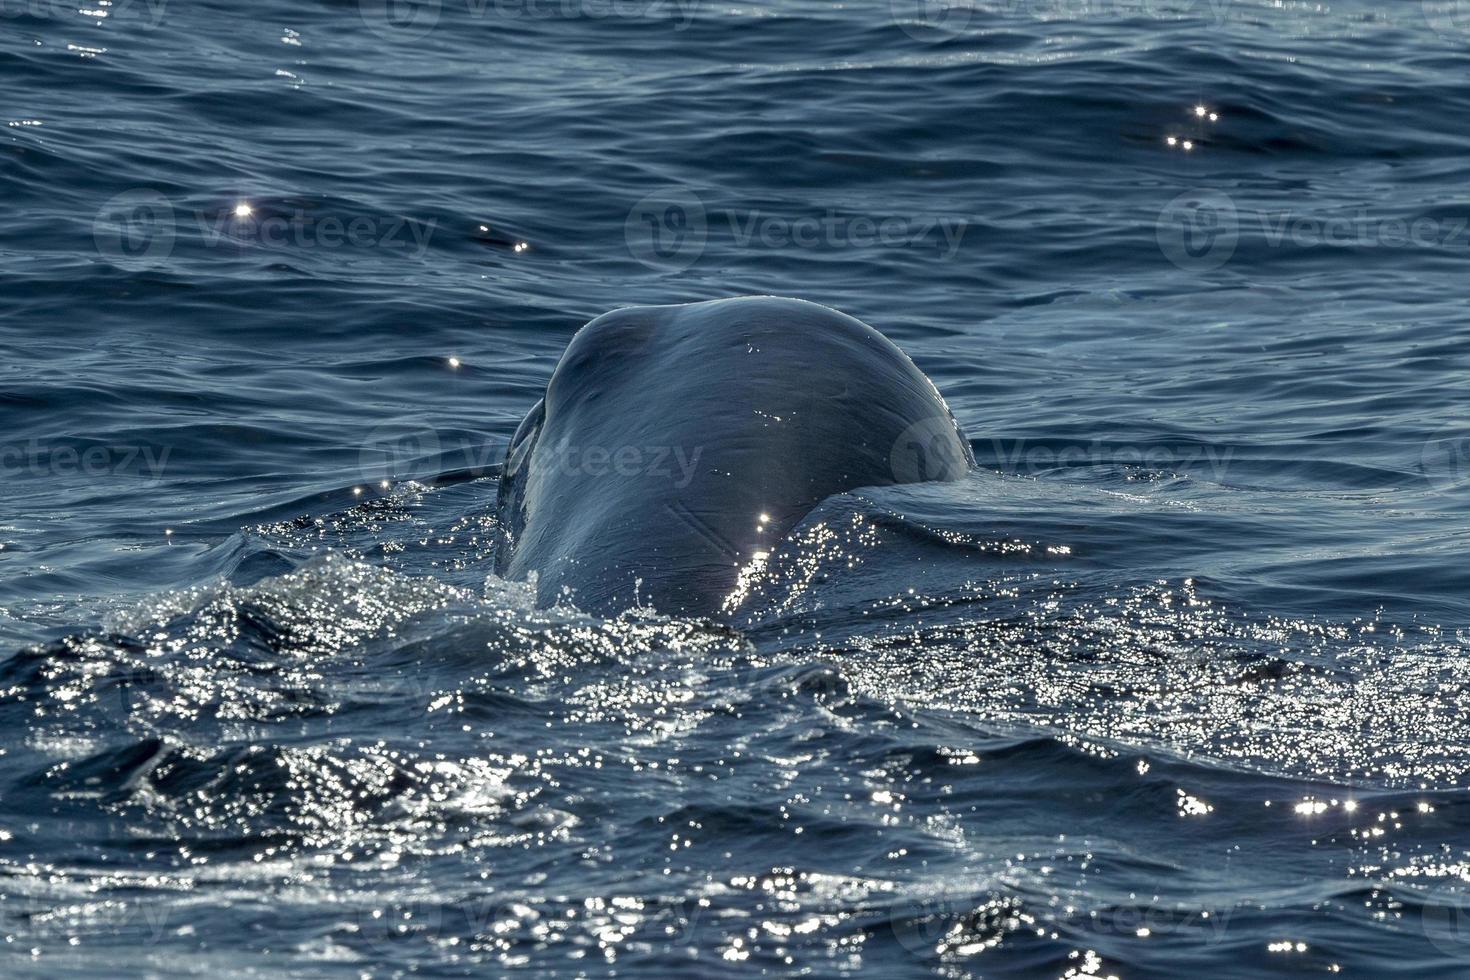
{"x": 676, "y": 446}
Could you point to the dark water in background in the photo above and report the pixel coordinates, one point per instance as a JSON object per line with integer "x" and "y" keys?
{"x": 1175, "y": 685}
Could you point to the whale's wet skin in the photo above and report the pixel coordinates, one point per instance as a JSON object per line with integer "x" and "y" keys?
{"x": 676, "y": 447}
{"x": 1173, "y": 683}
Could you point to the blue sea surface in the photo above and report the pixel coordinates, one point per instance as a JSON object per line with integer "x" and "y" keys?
{"x": 1175, "y": 684}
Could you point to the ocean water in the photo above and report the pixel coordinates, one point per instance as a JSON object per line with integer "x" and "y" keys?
{"x": 1175, "y": 684}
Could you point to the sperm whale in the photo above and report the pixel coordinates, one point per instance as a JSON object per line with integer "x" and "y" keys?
{"x": 675, "y": 447}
